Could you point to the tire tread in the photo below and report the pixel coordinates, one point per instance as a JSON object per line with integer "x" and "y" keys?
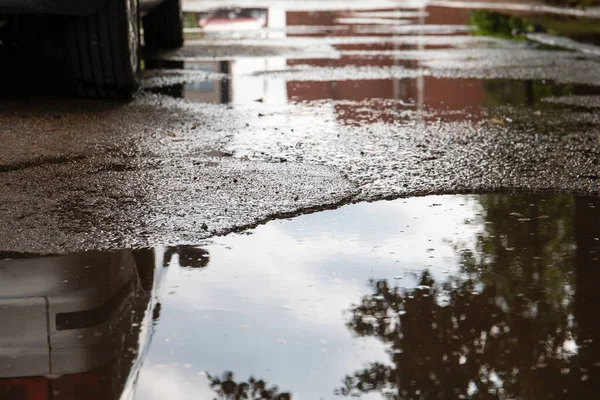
{"x": 99, "y": 50}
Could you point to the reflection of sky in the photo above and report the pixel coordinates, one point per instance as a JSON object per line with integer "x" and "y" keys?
{"x": 272, "y": 303}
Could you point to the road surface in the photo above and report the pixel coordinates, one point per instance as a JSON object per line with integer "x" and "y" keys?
{"x": 318, "y": 104}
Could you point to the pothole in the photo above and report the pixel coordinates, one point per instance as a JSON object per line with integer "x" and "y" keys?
{"x": 434, "y": 295}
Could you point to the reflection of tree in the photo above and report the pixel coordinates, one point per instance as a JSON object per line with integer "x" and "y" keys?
{"x": 572, "y": 3}
{"x": 505, "y": 328}
{"x": 510, "y": 92}
{"x": 526, "y": 249}
{"x": 513, "y": 25}
{"x": 503, "y": 92}
{"x": 228, "y": 389}
{"x": 491, "y": 23}
{"x": 587, "y": 295}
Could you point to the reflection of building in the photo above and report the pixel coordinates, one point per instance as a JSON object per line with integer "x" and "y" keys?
{"x": 355, "y": 90}
{"x": 426, "y": 92}
{"x": 247, "y": 83}
{"x": 241, "y": 86}
{"x": 451, "y": 94}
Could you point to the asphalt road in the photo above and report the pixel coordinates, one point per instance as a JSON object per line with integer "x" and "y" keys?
{"x": 322, "y": 106}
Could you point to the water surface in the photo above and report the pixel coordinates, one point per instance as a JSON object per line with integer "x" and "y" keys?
{"x": 475, "y": 296}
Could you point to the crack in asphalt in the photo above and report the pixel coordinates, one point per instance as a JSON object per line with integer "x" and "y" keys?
{"x": 40, "y": 162}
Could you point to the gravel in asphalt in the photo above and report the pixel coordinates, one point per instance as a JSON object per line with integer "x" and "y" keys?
{"x": 316, "y": 110}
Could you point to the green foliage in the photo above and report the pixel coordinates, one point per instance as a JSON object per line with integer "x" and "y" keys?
{"x": 227, "y": 388}
{"x": 504, "y": 328}
{"x": 190, "y": 20}
{"x": 490, "y": 23}
{"x": 507, "y": 92}
{"x": 573, "y": 3}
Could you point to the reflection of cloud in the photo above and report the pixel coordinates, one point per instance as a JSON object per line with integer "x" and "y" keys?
{"x": 570, "y": 347}
{"x": 172, "y": 382}
{"x": 373, "y": 223}
{"x": 331, "y": 256}
{"x": 282, "y": 292}
{"x": 259, "y": 275}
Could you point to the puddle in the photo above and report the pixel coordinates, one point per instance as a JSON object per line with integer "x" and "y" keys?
{"x": 353, "y": 97}
{"x": 407, "y": 96}
{"x": 419, "y": 55}
{"x": 434, "y": 297}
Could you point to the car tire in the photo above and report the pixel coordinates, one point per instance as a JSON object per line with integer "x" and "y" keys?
{"x": 163, "y": 26}
{"x": 104, "y": 49}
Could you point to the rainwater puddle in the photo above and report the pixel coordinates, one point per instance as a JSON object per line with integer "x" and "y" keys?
{"x": 464, "y": 296}
{"x": 419, "y": 55}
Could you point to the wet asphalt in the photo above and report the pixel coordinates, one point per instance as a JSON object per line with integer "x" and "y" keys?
{"x": 325, "y": 105}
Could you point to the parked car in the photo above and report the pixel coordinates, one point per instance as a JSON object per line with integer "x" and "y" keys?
{"x": 233, "y": 20}
{"x": 70, "y": 325}
{"x": 102, "y": 37}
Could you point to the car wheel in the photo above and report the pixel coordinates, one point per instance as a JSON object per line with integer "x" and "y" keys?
{"x": 104, "y": 50}
{"x": 163, "y": 26}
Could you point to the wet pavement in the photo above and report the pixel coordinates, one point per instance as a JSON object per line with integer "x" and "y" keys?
{"x": 465, "y": 296}
{"x": 313, "y": 200}
{"x": 313, "y": 105}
